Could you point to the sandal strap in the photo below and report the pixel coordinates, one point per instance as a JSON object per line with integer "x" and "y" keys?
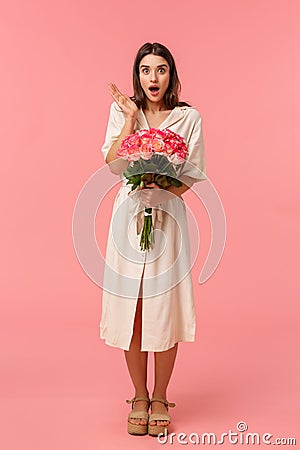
{"x": 138, "y": 415}
{"x": 136, "y": 399}
{"x": 159, "y": 416}
{"x": 162, "y": 400}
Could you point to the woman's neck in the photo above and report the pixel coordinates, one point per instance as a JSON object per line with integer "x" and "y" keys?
{"x": 154, "y": 108}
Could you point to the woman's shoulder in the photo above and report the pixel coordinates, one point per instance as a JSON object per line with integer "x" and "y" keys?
{"x": 192, "y": 112}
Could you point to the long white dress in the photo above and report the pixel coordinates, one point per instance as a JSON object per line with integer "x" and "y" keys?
{"x": 162, "y": 275}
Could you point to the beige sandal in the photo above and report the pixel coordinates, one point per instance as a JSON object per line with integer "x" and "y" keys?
{"x": 134, "y": 428}
{"x": 154, "y": 430}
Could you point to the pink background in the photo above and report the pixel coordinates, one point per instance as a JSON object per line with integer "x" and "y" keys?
{"x": 61, "y": 386}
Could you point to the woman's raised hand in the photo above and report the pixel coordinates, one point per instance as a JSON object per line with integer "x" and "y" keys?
{"x": 126, "y": 104}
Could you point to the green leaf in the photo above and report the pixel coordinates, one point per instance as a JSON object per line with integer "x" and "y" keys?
{"x": 175, "y": 182}
{"x": 161, "y": 180}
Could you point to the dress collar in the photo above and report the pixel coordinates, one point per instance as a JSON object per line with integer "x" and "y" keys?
{"x": 175, "y": 115}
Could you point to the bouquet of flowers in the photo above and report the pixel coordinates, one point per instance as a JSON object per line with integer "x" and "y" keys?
{"x": 154, "y": 156}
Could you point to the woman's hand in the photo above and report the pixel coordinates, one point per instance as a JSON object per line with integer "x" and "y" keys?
{"x": 153, "y": 197}
{"x": 128, "y": 106}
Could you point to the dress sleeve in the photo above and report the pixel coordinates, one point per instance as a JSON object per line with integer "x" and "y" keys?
{"x": 194, "y": 168}
{"x": 115, "y": 124}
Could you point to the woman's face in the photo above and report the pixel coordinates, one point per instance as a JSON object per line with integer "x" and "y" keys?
{"x": 154, "y": 71}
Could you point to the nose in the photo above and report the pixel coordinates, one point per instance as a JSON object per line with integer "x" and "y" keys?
{"x": 153, "y": 76}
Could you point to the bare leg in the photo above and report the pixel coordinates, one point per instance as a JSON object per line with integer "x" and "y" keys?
{"x": 137, "y": 363}
{"x": 164, "y": 363}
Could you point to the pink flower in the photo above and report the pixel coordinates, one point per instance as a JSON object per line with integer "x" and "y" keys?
{"x": 160, "y": 134}
{"x": 176, "y": 158}
{"x": 183, "y": 150}
{"x": 134, "y": 139}
{"x": 157, "y": 145}
{"x": 133, "y": 153}
{"x": 143, "y": 143}
{"x": 169, "y": 148}
{"x": 146, "y": 151}
{"x": 146, "y": 139}
{"x": 145, "y": 134}
{"x": 122, "y": 151}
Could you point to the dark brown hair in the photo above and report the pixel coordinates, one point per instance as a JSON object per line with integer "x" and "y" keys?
{"x": 171, "y": 97}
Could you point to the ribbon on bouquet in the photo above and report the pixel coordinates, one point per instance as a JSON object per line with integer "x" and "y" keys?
{"x": 138, "y": 209}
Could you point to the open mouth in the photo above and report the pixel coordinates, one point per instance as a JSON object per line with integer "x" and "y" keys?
{"x": 154, "y": 90}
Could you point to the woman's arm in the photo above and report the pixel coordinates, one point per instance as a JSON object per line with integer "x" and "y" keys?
{"x": 129, "y": 108}
{"x": 117, "y": 164}
{"x": 152, "y": 197}
{"x": 178, "y": 190}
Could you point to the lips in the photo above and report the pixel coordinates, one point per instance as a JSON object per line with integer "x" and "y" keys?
{"x": 154, "y": 90}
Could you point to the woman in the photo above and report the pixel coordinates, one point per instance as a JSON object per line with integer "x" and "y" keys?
{"x": 149, "y": 312}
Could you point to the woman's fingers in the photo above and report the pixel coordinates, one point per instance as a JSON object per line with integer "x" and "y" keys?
{"x": 113, "y": 93}
{"x": 154, "y": 185}
{"x": 154, "y": 196}
{"x": 113, "y": 90}
{"x": 116, "y": 90}
{"x": 123, "y": 100}
{"x": 127, "y": 97}
{"x": 113, "y": 87}
{"x": 117, "y": 95}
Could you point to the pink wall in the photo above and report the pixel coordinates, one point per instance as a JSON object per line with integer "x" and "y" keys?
{"x": 61, "y": 386}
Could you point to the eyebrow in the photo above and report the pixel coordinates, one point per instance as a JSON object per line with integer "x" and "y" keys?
{"x": 160, "y": 65}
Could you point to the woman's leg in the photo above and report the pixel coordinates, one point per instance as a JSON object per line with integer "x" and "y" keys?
{"x": 137, "y": 363}
{"x": 164, "y": 363}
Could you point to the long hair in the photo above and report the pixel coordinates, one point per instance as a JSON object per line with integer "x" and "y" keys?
{"x": 171, "y": 97}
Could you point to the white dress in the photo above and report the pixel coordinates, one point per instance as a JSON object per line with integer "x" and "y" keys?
{"x": 168, "y": 314}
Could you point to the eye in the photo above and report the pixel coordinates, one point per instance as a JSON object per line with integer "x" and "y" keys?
{"x": 143, "y": 70}
{"x": 163, "y": 70}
